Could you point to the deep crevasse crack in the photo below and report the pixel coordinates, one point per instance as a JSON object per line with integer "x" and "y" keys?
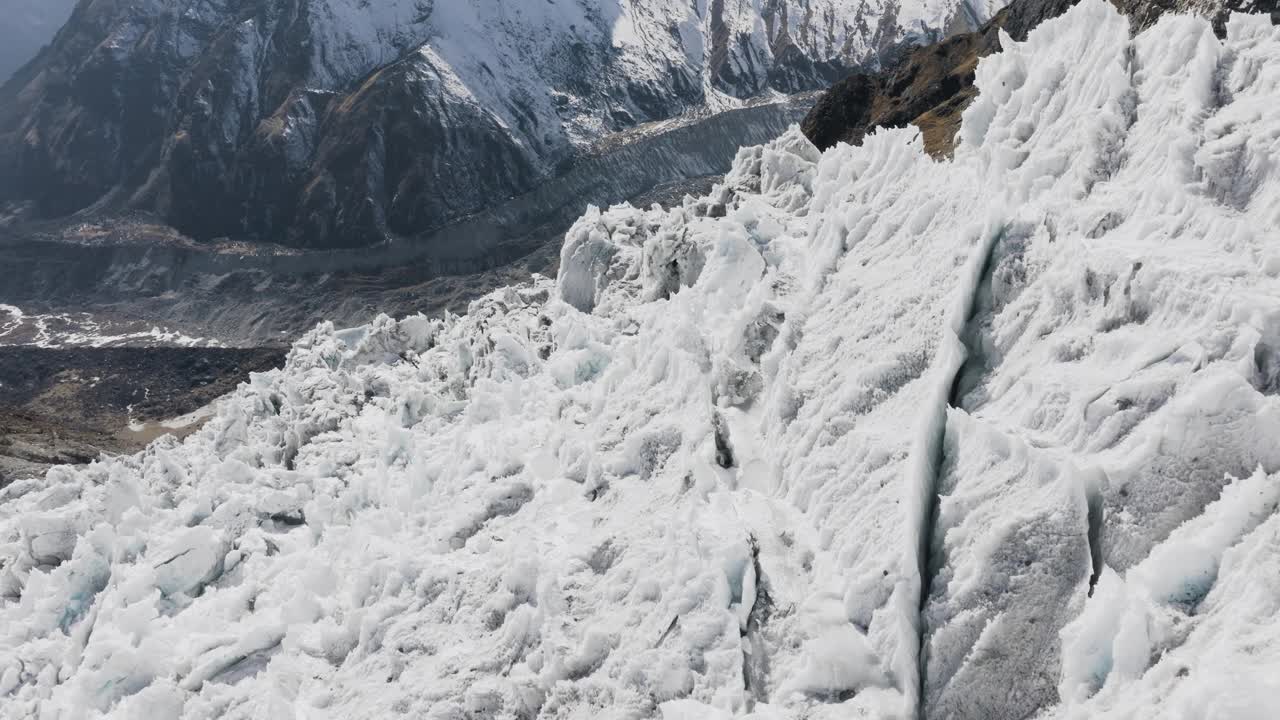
{"x": 954, "y": 354}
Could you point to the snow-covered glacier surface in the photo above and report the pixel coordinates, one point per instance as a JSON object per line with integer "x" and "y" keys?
{"x": 860, "y": 434}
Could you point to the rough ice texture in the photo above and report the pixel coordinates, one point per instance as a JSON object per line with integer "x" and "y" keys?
{"x": 860, "y": 434}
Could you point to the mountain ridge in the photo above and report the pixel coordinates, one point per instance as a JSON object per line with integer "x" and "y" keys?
{"x": 314, "y": 123}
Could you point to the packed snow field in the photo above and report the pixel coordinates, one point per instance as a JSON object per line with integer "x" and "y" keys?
{"x": 860, "y": 434}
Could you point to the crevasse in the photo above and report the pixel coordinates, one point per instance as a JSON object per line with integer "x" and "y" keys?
{"x": 714, "y": 468}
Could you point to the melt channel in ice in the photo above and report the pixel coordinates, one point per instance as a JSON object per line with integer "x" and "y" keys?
{"x": 860, "y": 434}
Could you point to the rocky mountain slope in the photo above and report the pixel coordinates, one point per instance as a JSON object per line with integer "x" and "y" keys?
{"x": 239, "y": 293}
{"x": 339, "y": 123}
{"x": 860, "y": 433}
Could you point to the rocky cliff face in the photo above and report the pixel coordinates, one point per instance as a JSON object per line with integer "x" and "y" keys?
{"x": 325, "y": 123}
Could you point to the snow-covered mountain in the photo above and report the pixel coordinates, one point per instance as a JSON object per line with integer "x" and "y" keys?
{"x": 341, "y": 122}
{"x": 28, "y": 25}
{"x": 859, "y": 434}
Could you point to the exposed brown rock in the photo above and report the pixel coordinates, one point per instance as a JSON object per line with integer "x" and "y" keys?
{"x": 68, "y": 406}
{"x": 930, "y": 87}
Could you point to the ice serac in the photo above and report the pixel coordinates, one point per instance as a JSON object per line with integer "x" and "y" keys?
{"x": 931, "y": 86}
{"x": 186, "y": 285}
{"x": 29, "y": 25}
{"x": 858, "y": 434}
{"x": 342, "y": 123}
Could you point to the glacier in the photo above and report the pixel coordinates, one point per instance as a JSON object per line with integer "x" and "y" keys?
{"x": 858, "y": 434}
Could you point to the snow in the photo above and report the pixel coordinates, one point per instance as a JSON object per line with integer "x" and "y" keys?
{"x": 525, "y": 62}
{"x": 29, "y": 25}
{"x": 512, "y": 92}
{"x": 82, "y": 329}
{"x": 859, "y": 434}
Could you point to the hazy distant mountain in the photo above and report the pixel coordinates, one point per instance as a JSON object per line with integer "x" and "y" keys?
{"x": 342, "y": 122}
{"x": 25, "y": 27}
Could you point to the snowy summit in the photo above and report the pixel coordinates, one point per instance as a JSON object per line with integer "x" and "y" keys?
{"x": 861, "y": 434}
